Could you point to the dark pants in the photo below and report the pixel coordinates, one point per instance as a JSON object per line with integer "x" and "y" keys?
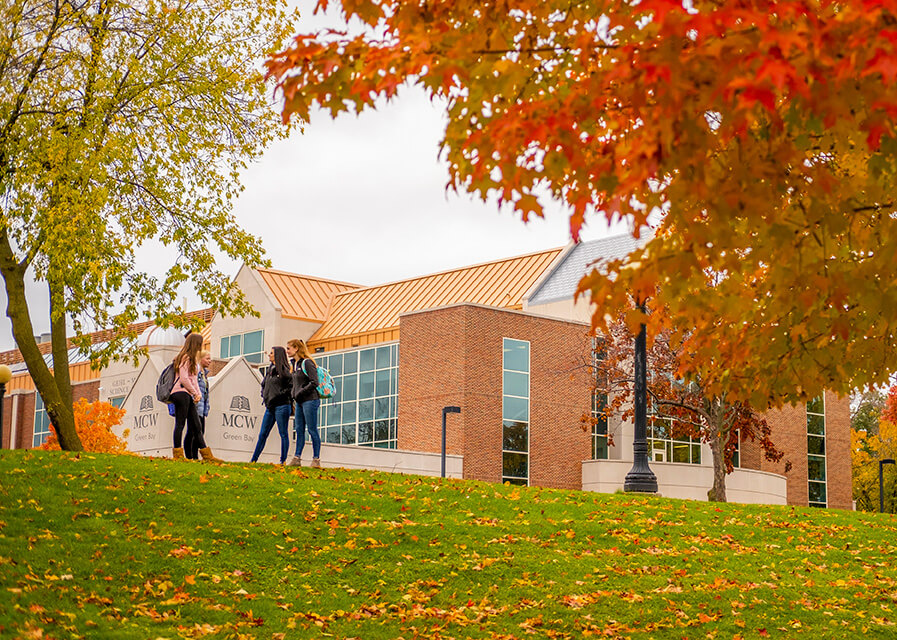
{"x": 191, "y": 447}
{"x": 185, "y": 413}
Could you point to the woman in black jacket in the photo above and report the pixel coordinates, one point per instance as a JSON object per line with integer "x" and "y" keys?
{"x": 305, "y": 394}
{"x": 276, "y": 388}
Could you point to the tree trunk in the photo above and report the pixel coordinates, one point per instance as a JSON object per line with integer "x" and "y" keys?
{"x": 59, "y": 337}
{"x": 717, "y": 492}
{"x": 59, "y": 407}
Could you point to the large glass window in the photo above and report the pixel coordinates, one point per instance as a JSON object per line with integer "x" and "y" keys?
{"x": 515, "y": 411}
{"x": 599, "y": 417}
{"x": 668, "y": 440}
{"x": 41, "y": 422}
{"x": 816, "y": 452}
{"x": 250, "y": 345}
{"x": 364, "y": 411}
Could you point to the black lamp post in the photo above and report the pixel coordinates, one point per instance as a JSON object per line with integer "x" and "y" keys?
{"x": 446, "y": 410}
{"x": 881, "y": 483}
{"x": 640, "y": 478}
{"x": 5, "y": 376}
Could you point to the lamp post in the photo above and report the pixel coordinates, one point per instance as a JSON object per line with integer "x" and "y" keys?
{"x": 640, "y": 478}
{"x": 5, "y": 376}
{"x": 445, "y": 411}
{"x": 881, "y": 483}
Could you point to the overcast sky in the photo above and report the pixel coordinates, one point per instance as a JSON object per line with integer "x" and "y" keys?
{"x": 363, "y": 200}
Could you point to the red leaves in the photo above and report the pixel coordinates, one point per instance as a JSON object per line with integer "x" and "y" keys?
{"x": 740, "y": 126}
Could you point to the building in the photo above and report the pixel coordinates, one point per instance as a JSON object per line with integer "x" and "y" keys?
{"x": 505, "y": 341}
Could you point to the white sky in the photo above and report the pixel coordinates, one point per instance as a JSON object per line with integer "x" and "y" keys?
{"x": 363, "y": 200}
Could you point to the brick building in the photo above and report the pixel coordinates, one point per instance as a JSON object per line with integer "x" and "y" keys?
{"x": 505, "y": 341}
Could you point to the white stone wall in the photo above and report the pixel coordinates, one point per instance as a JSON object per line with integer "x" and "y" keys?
{"x": 688, "y": 481}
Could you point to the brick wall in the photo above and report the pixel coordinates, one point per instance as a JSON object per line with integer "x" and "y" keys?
{"x": 789, "y": 433}
{"x": 24, "y": 409}
{"x": 453, "y": 356}
{"x": 837, "y": 451}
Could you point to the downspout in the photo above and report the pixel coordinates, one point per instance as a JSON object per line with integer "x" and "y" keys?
{"x": 14, "y": 420}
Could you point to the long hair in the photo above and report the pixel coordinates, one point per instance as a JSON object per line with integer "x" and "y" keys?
{"x": 301, "y": 349}
{"x": 190, "y": 351}
{"x": 281, "y": 362}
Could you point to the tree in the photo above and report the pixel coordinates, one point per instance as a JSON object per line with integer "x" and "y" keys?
{"x": 94, "y": 422}
{"x": 680, "y": 409}
{"x": 867, "y": 450}
{"x": 865, "y": 410}
{"x": 124, "y": 123}
{"x": 760, "y": 134}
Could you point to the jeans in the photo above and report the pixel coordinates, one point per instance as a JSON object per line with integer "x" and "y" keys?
{"x": 280, "y": 415}
{"x": 307, "y": 419}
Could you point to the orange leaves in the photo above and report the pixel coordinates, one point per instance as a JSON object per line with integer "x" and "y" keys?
{"x": 94, "y": 422}
{"x": 758, "y": 139}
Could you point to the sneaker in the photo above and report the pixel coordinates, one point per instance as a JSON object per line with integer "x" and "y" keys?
{"x": 316, "y": 463}
{"x": 295, "y": 462}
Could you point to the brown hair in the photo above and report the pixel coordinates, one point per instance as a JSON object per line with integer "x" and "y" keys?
{"x": 190, "y": 350}
{"x": 301, "y": 348}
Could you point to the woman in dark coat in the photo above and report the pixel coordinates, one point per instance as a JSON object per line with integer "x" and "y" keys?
{"x": 276, "y": 388}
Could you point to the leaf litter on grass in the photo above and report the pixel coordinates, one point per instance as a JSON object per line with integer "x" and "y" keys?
{"x": 129, "y": 547}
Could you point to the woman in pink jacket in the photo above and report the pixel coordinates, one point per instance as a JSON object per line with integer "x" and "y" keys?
{"x": 184, "y": 396}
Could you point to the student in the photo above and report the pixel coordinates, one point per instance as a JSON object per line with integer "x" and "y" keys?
{"x": 191, "y": 450}
{"x": 184, "y": 395}
{"x": 305, "y": 394}
{"x": 276, "y": 387}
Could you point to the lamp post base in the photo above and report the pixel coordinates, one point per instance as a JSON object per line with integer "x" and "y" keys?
{"x": 640, "y": 478}
{"x": 640, "y": 482}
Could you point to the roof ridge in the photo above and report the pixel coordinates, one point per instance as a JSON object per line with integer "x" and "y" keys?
{"x": 446, "y": 271}
{"x": 308, "y": 277}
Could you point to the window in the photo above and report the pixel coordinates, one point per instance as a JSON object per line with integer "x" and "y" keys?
{"x": 599, "y": 418}
{"x": 117, "y": 401}
{"x": 364, "y": 411}
{"x": 249, "y": 345}
{"x": 736, "y": 454}
{"x": 816, "y": 452}
{"x": 41, "y": 422}
{"x": 668, "y": 443}
{"x": 515, "y": 411}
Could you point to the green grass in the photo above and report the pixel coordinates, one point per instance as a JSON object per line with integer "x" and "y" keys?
{"x": 99, "y": 546}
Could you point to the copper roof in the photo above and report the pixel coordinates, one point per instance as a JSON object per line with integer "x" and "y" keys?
{"x": 303, "y": 297}
{"x": 80, "y": 370}
{"x": 372, "y": 314}
{"x": 14, "y": 355}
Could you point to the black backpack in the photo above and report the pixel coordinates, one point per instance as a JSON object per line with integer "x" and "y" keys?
{"x": 166, "y": 383}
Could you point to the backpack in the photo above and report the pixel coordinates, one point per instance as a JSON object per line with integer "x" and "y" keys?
{"x": 166, "y": 383}
{"x": 326, "y": 385}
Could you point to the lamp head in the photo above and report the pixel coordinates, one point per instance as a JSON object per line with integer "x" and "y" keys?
{"x": 5, "y": 374}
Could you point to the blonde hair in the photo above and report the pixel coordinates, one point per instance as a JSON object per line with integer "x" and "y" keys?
{"x": 301, "y": 349}
{"x": 204, "y": 353}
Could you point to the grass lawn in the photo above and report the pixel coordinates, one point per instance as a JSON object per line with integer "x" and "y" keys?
{"x": 98, "y": 546}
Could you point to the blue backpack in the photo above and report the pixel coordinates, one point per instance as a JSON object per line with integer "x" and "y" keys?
{"x": 326, "y": 385}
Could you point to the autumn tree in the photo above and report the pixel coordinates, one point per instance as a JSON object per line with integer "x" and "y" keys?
{"x": 866, "y": 406}
{"x": 761, "y": 137}
{"x": 94, "y": 422}
{"x": 679, "y": 409}
{"x": 122, "y": 124}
